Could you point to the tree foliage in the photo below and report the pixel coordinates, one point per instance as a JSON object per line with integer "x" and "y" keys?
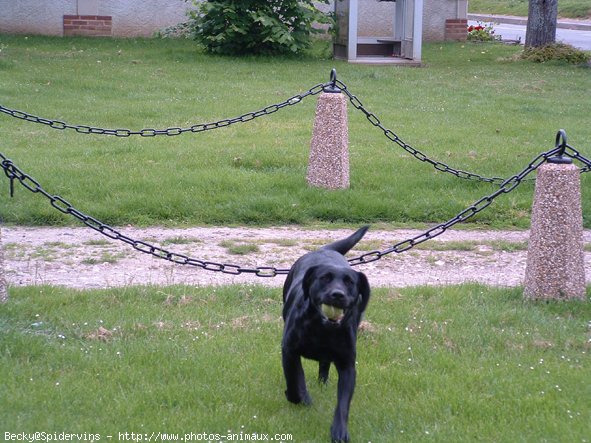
{"x": 256, "y": 26}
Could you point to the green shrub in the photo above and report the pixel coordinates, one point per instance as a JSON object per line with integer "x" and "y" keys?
{"x": 557, "y": 51}
{"x": 256, "y": 26}
{"x": 180, "y": 30}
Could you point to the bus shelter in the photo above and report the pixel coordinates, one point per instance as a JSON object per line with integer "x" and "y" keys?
{"x": 379, "y": 31}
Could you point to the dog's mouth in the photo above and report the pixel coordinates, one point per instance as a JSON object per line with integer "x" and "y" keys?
{"x": 332, "y": 313}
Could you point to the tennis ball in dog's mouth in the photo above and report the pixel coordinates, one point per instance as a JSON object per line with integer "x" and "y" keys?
{"x": 332, "y": 312}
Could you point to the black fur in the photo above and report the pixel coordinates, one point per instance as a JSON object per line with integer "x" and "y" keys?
{"x": 318, "y": 278}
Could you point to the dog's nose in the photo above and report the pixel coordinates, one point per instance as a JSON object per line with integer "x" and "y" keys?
{"x": 338, "y": 295}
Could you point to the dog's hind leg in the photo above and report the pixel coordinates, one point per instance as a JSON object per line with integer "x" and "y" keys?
{"x": 323, "y": 369}
{"x": 295, "y": 379}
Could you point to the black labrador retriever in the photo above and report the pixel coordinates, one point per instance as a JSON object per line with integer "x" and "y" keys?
{"x": 324, "y": 300}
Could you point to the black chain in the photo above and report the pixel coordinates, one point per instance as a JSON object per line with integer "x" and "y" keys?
{"x": 507, "y": 186}
{"x": 62, "y": 205}
{"x": 572, "y": 152}
{"x": 333, "y": 86}
{"x": 440, "y": 166}
{"x": 83, "y": 129}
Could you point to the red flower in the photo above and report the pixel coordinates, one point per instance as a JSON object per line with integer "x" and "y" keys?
{"x": 470, "y": 28}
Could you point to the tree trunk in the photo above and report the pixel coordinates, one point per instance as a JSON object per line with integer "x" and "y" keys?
{"x": 541, "y": 23}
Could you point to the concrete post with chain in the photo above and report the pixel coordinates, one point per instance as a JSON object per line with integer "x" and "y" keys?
{"x": 3, "y": 290}
{"x": 328, "y": 165}
{"x": 555, "y": 257}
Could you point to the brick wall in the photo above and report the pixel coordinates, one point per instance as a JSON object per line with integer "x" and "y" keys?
{"x": 435, "y": 15}
{"x": 88, "y": 25}
{"x": 456, "y": 29}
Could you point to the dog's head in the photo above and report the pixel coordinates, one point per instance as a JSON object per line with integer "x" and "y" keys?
{"x": 336, "y": 292}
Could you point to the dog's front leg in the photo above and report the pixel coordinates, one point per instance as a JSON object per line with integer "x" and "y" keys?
{"x": 323, "y": 370}
{"x": 346, "y": 386}
{"x": 295, "y": 379}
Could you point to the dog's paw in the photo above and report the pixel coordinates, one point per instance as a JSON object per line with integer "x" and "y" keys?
{"x": 299, "y": 398}
{"x": 306, "y": 400}
{"x": 323, "y": 371}
{"x": 323, "y": 380}
{"x": 339, "y": 434}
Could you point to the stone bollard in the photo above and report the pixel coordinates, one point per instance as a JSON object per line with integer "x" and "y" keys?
{"x": 555, "y": 260}
{"x": 328, "y": 165}
{"x": 3, "y": 291}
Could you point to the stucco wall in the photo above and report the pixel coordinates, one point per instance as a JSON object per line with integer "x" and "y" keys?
{"x": 143, "y": 18}
{"x": 375, "y": 19}
{"x": 130, "y": 17}
{"x": 34, "y": 16}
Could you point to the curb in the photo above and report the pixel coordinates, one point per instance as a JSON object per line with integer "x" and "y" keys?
{"x": 579, "y": 25}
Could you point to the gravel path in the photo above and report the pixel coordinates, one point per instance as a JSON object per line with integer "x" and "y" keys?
{"x": 82, "y": 258}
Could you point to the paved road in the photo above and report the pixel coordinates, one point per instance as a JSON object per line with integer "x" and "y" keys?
{"x": 579, "y": 38}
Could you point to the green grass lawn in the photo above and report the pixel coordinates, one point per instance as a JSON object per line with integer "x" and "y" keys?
{"x": 468, "y": 107}
{"x": 462, "y": 364}
{"x": 566, "y": 8}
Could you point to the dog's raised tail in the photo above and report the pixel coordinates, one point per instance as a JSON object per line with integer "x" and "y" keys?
{"x": 343, "y": 246}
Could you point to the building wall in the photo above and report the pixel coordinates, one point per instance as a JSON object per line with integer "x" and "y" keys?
{"x": 131, "y": 18}
{"x": 435, "y": 14}
{"x": 143, "y": 18}
{"x": 34, "y": 17}
{"x": 375, "y": 19}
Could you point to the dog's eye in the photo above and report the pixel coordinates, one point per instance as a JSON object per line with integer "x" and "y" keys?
{"x": 326, "y": 278}
{"x": 348, "y": 281}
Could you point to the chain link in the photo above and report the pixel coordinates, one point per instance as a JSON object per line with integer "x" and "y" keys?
{"x": 84, "y": 129}
{"x": 572, "y": 152}
{"x": 62, "y": 205}
{"x": 334, "y": 85}
{"x": 506, "y": 187}
{"x": 440, "y": 166}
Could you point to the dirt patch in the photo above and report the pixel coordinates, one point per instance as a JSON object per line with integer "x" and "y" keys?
{"x": 82, "y": 258}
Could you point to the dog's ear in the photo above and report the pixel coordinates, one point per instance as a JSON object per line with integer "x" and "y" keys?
{"x": 364, "y": 291}
{"x": 309, "y": 278}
